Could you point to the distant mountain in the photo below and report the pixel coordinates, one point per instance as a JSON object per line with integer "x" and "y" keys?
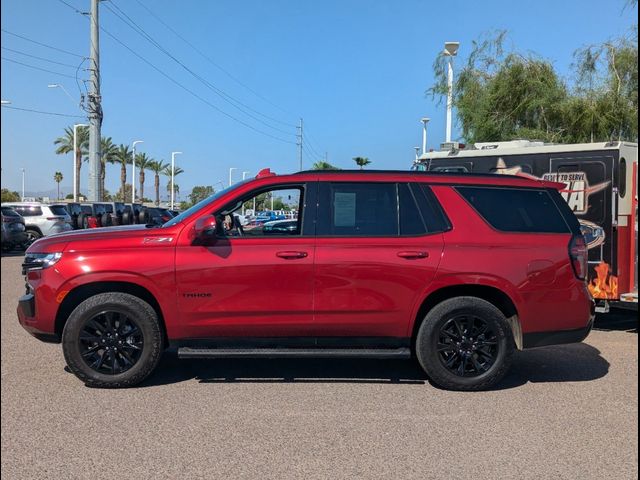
{"x": 52, "y": 194}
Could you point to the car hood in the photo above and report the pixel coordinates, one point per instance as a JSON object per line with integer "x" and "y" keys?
{"x": 101, "y": 238}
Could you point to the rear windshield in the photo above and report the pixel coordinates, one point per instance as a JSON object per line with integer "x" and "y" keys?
{"x": 516, "y": 210}
{"x": 58, "y": 210}
{"x": 9, "y": 212}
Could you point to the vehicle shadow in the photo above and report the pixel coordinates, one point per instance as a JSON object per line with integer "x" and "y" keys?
{"x": 13, "y": 253}
{"x": 617, "y": 319}
{"x": 565, "y": 363}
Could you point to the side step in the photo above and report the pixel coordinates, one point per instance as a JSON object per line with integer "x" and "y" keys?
{"x": 187, "y": 352}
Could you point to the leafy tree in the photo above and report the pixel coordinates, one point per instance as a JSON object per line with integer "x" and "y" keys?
{"x": 157, "y": 167}
{"x": 324, "y": 166}
{"x": 361, "y": 162}
{"x": 142, "y": 162}
{"x": 9, "y": 196}
{"x": 65, "y": 145}
{"x": 57, "y": 177}
{"x": 200, "y": 193}
{"x": 176, "y": 172}
{"x": 124, "y": 194}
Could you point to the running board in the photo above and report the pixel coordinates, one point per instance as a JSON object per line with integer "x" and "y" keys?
{"x": 187, "y": 352}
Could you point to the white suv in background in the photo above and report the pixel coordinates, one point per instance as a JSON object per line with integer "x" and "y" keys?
{"x": 42, "y": 219}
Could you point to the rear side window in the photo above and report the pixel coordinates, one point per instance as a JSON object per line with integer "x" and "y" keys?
{"x": 58, "y": 210}
{"x": 411, "y": 222}
{"x": 516, "y": 210}
{"x": 29, "y": 211}
{"x": 358, "y": 209}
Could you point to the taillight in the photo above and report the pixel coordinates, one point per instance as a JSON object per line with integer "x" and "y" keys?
{"x": 579, "y": 256}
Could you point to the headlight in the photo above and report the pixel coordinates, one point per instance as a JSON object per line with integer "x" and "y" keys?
{"x": 35, "y": 261}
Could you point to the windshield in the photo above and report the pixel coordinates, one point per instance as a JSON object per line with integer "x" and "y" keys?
{"x": 203, "y": 203}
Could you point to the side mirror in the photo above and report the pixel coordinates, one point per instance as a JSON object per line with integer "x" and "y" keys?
{"x": 205, "y": 228}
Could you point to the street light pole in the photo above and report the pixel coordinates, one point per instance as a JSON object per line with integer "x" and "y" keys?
{"x": 231, "y": 170}
{"x": 58, "y": 85}
{"x": 424, "y": 121}
{"x": 133, "y": 172}
{"x": 450, "y": 50}
{"x": 173, "y": 169}
{"x": 22, "y": 198}
{"x": 243, "y": 176}
{"x": 75, "y": 159}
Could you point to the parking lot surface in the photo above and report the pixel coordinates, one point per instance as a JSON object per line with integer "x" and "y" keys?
{"x": 563, "y": 412}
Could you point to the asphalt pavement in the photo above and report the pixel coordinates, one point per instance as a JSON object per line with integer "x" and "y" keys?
{"x": 564, "y": 412}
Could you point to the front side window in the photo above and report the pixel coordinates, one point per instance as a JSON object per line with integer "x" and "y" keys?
{"x": 358, "y": 209}
{"x": 265, "y": 213}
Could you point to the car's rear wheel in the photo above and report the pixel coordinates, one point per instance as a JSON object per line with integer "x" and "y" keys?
{"x": 112, "y": 340}
{"x": 465, "y": 343}
{"x": 32, "y": 236}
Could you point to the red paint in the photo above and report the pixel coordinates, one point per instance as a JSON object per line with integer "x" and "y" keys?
{"x": 302, "y": 286}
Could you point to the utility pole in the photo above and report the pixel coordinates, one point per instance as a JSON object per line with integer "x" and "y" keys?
{"x": 299, "y": 143}
{"x": 95, "y": 109}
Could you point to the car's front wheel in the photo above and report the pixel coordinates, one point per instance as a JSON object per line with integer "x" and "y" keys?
{"x": 32, "y": 236}
{"x": 465, "y": 343}
{"x": 112, "y": 340}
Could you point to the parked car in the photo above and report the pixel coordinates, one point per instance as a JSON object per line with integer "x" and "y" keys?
{"x": 457, "y": 271}
{"x": 41, "y": 219}
{"x": 281, "y": 227}
{"x": 155, "y": 215}
{"x": 13, "y": 230}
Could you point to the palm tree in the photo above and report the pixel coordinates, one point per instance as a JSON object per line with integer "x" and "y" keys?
{"x": 109, "y": 151}
{"x": 123, "y": 157}
{"x": 57, "y": 177}
{"x": 157, "y": 167}
{"x": 65, "y": 145}
{"x": 142, "y": 162}
{"x": 361, "y": 161}
{"x": 176, "y": 172}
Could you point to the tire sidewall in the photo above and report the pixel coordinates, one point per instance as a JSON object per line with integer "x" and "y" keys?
{"x": 428, "y": 334}
{"x": 137, "y": 310}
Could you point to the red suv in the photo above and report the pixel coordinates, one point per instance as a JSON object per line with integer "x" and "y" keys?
{"x": 456, "y": 270}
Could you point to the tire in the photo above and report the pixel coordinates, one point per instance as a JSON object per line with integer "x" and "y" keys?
{"x": 105, "y": 220}
{"x": 32, "y": 236}
{"x": 126, "y": 218}
{"x": 103, "y": 344}
{"x": 83, "y": 221}
{"x": 143, "y": 217}
{"x": 459, "y": 363}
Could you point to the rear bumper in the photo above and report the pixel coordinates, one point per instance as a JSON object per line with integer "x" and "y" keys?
{"x": 543, "y": 339}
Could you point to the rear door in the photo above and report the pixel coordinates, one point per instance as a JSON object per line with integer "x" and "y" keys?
{"x": 375, "y": 255}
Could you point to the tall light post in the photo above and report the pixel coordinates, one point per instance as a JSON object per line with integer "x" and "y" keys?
{"x": 22, "y": 198}
{"x": 173, "y": 169}
{"x": 424, "y": 121}
{"x": 57, "y": 85}
{"x": 133, "y": 171}
{"x": 450, "y": 50}
{"x": 243, "y": 177}
{"x": 231, "y": 170}
{"x": 75, "y": 159}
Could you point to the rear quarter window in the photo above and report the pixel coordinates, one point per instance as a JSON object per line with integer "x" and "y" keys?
{"x": 9, "y": 212}
{"x": 58, "y": 210}
{"x": 516, "y": 209}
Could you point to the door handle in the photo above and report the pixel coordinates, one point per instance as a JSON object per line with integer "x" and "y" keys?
{"x": 413, "y": 255}
{"x": 291, "y": 255}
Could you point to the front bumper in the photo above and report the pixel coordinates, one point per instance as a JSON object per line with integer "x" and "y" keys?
{"x": 27, "y": 318}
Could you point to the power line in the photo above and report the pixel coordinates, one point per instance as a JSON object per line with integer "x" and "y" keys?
{"x": 42, "y": 44}
{"x": 72, "y": 7}
{"x": 226, "y": 97}
{"x": 36, "y": 68}
{"x": 192, "y": 92}
{"x": 41, "y": 112}
{"x": 39, "y": 58}
{"x": 199, "y": 52}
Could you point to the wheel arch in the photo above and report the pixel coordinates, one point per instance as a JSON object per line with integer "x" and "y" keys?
{"x": 84, "y": 291}
{"x": 493, "y": 295}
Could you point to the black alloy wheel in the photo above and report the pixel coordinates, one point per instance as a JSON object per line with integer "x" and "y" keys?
{"x": 32, "y": 236}
{"x": 467, "y": 345}
{"x": 111, "y": 342}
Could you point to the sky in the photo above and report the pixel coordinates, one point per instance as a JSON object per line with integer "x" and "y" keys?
{"x": 355, "y": 71}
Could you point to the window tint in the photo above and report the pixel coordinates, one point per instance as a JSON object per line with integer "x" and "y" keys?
{"x": 358, "y": 209}
{"x": 9, "y": 212}
{"x": 516, "y": 210}
{"x": 411, "y": 222}
{"x": 432, "y": 213}
{"x": 275, "y": 212}
{"x": 29, "y": 211}
{"x": 58, "y": 210}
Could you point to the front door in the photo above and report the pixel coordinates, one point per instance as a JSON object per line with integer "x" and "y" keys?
{"x": 256, "y": 278}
